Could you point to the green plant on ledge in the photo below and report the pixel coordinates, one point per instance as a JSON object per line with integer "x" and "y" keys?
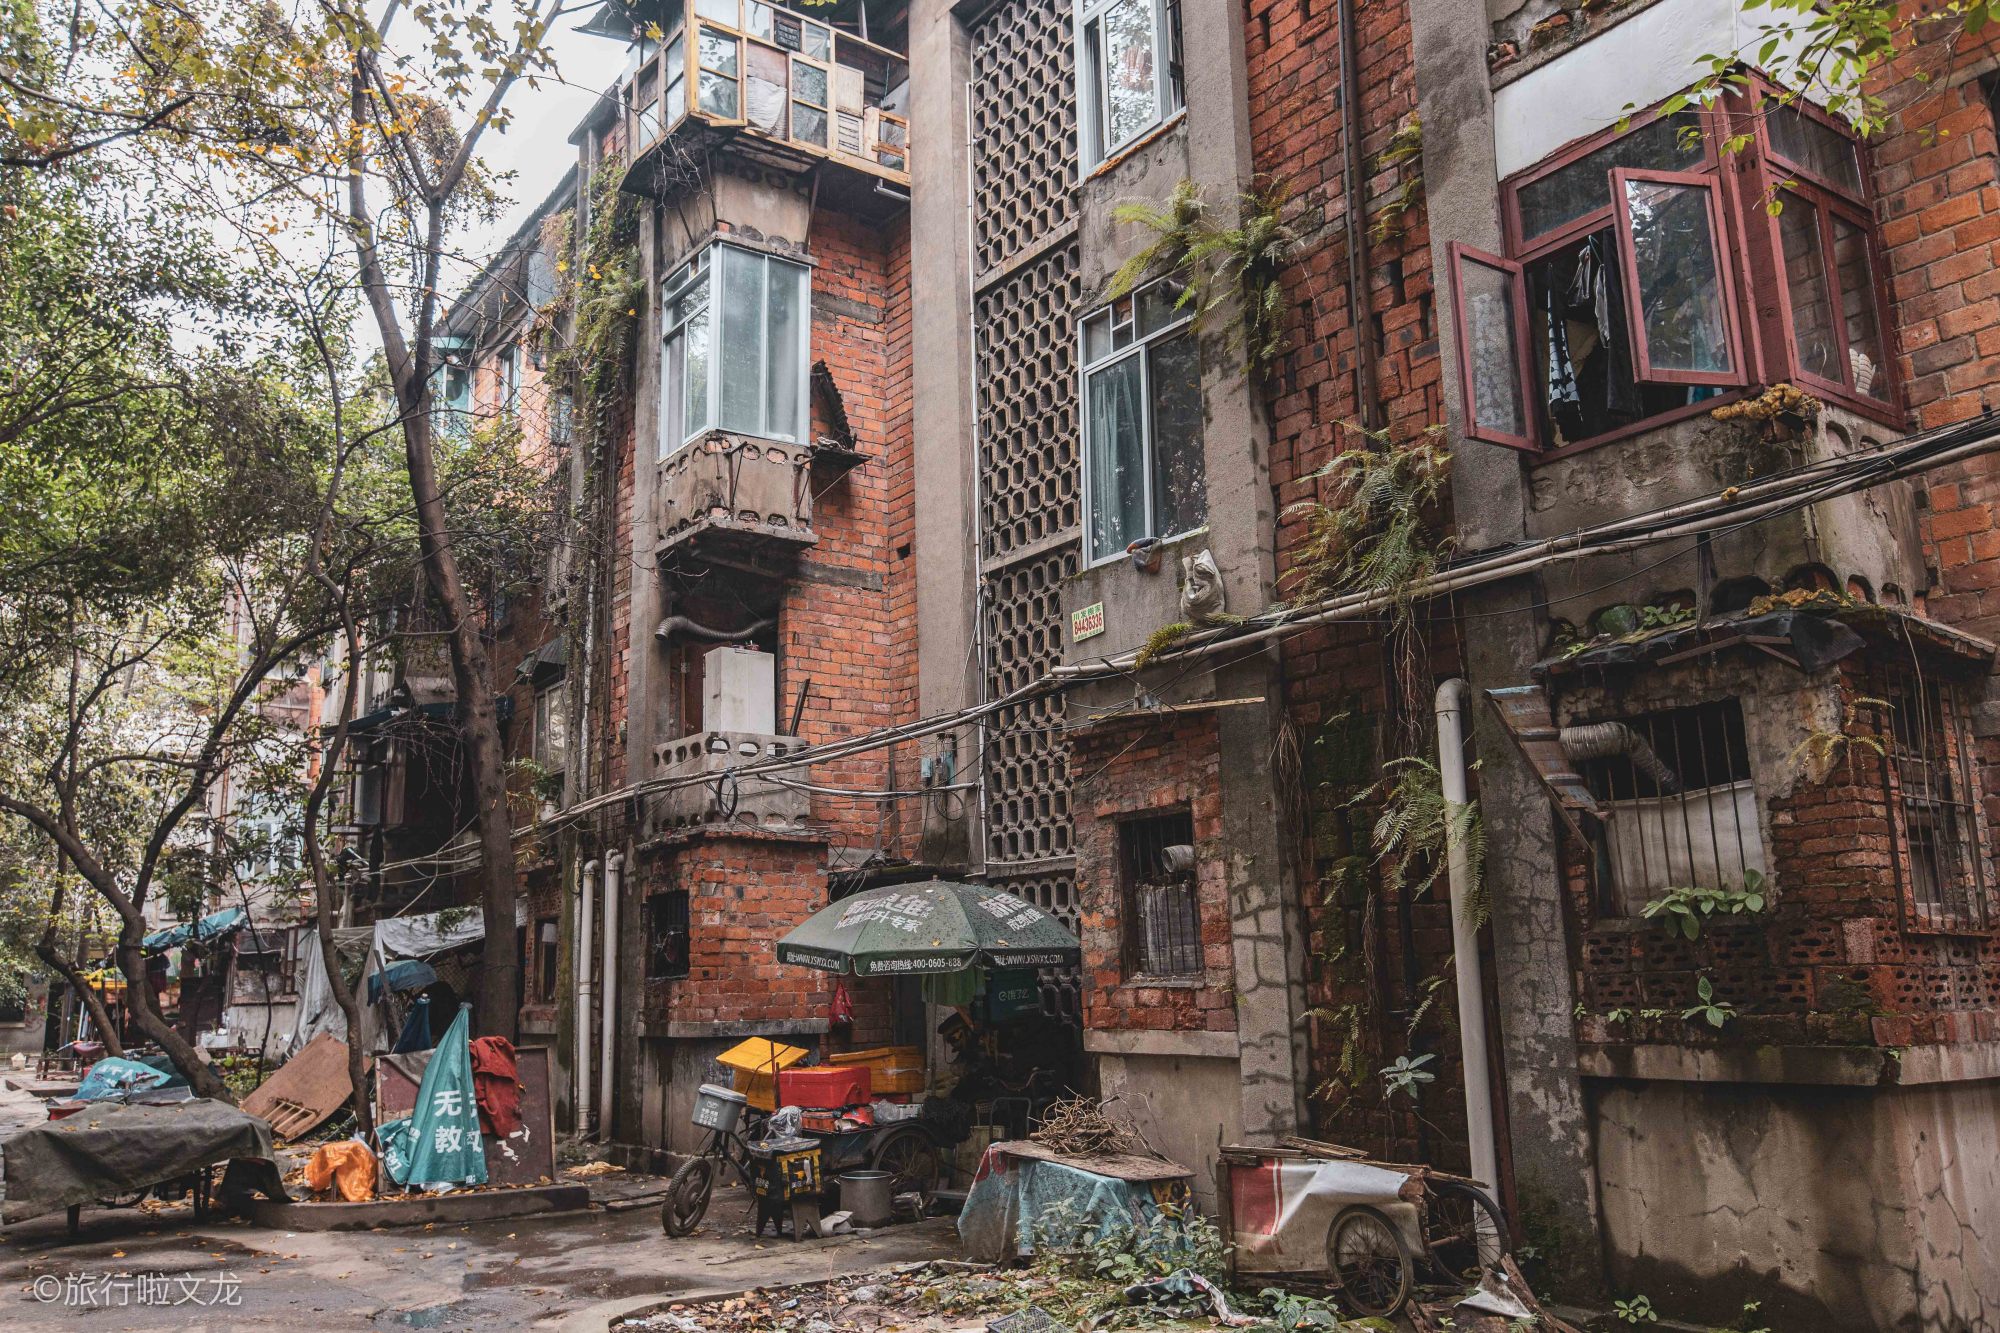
{"x": 1706, "y": 1007}
{"x": 1161, "y": 639}
{"x": 1213, "y": 262}
{"x": 1683, "y": 910}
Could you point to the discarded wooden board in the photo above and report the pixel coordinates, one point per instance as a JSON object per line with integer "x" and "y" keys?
{"x": 307, "y": 1089}
{"x": 1118, "y": 1166}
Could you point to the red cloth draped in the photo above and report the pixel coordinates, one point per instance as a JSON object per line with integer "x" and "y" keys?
{"x": 496, "y": 1086}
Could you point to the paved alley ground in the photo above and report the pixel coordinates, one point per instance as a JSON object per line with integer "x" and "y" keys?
{"x": 519, "y": 1273}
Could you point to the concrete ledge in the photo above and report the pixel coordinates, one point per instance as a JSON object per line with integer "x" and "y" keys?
{"x": 1958, "y": 1062}
{"x": 1194, "y": 1045}
{"x": 393, "y": 1212}
{"x": 1825, "y": 1066}
{"x": 748, "y": 1027}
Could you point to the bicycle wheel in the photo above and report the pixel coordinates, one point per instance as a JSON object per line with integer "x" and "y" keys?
{"x": 687, "y": 1196}
{"x": 1463, "y": 1230}
{"x": 911, "y": 1160}
{"x": 1370, "y": 1261}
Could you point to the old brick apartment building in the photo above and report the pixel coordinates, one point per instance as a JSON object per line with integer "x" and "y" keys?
{"x": 889, "y": 449}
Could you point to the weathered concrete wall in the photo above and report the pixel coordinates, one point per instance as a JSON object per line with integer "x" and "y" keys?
{"x": 946, "y": 513}
{"x": 1837, "y": 1207}
{"x": 1156, "y": 1093}
{"x": 1549, "y": 1143}
{"x": 1254, "y": 890}
{"x": 1873, "y": 537}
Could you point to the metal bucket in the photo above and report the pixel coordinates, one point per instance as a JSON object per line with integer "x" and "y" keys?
{"x": 866, "y": 1195}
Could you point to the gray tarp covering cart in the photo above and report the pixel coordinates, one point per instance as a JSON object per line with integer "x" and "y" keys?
{"x": 110, "y": 1150}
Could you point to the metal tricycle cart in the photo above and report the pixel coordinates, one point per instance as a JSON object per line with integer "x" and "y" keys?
{"x": 793, "y": 1174}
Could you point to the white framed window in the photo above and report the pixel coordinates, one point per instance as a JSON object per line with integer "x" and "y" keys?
{"x": 1144, "y": 474}
{"x": 735, "y": 358}
{"x": 1130, "y": 73}
{"x": 552, "y": 728}
{"x": 507, "y": 378}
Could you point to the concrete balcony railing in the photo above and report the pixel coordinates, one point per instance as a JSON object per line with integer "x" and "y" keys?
{"x": 726, "y": 499}
{"x": 722, "y": 799}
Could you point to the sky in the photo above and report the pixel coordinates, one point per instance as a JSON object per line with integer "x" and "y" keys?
{"x": 536, "y": 145}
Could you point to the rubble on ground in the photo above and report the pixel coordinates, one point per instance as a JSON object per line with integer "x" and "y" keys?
{"x": 947, "y": 1297}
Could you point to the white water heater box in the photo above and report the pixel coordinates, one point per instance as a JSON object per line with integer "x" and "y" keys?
{"x": 739, "y": 691}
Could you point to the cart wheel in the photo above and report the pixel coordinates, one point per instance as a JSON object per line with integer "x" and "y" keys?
{"x": 1464, "y": 1231}
{"x": 911, "y": 1160}
{"x": 1370, "y": 1261}
{"x": 687, "y": 1196}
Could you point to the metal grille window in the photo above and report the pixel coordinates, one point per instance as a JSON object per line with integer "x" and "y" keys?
{"x": 668, "y": 940}
{"x": 1927, "y": 774}
{"x": 1162, "y": 913}
{"x": 1132, "y": 69}
{"x": 1144, "y": 475}
{"x": 736, "y": 349}
{"x": 1680, "y": 808}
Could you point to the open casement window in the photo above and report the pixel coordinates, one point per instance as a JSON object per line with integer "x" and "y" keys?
{"x": 1490, "y": 295}
{"x": 1682, "y": 288}
{"x": 674, "y": 81}
{"x": 1825, "y": 241}
{"x": 812, "y": 97}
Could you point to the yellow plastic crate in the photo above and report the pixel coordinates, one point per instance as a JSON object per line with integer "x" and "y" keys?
{"x": 753, "y": 1069}
{"x": 890, "y": 1068}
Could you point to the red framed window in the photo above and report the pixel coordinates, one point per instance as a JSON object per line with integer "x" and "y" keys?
{"x": 1825, "y": 238}
{"x": 1680, "y": 307}
{"x": 1640, "y": 261}
{"x": 1488, "y": 294}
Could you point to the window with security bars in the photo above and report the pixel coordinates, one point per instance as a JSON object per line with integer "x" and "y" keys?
{"x": 1927, "y": 774}
{"x": 1680, "y": 807}
{"x": 1162, "y": 915}
{"x": 668, "y": 941}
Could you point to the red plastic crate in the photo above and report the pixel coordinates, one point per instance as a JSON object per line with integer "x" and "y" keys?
{"x": 824, "y": 1087}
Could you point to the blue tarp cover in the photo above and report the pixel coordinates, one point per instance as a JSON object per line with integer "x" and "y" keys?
{"x": 407, "y": 974}
{"x": 1010, "y": 1194}
{"x": 210, "y": 927}
{"x": 114, "y": 1077}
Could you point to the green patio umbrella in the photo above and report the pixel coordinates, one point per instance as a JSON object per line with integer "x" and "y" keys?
{"x": 937, "y": 925}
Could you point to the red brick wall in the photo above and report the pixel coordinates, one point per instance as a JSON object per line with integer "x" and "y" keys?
{"x": 857, "y": 644}
{"x": 1936, "y": 172}
{"x": 1829, "y": 962}
{"x": 744, "y": 891}
{"x": 1357, "y": 960}
{"x": 1171, "y": 767}
{"x": 847, "y": 626}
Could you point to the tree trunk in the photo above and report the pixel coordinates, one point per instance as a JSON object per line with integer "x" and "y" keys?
{"x": 146, "y": 1013}
{"x": 357, "y": 1062}
{"x": 479, "y": 729}
{"x": 100, "y": 1016}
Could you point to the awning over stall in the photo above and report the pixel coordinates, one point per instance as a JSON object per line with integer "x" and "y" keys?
{"x": 213, "y": 926}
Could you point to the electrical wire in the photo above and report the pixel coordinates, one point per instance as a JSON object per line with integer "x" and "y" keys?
{"x": 1727, "y": 511}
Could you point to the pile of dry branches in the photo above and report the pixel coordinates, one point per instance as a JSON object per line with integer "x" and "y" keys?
{"x": 1080, "y": 1128}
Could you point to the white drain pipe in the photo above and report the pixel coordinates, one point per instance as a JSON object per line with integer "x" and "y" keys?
{"x": 1452, "y": 697}
{"x": 581, "y": 959}
{"x": 614, "y": 865}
